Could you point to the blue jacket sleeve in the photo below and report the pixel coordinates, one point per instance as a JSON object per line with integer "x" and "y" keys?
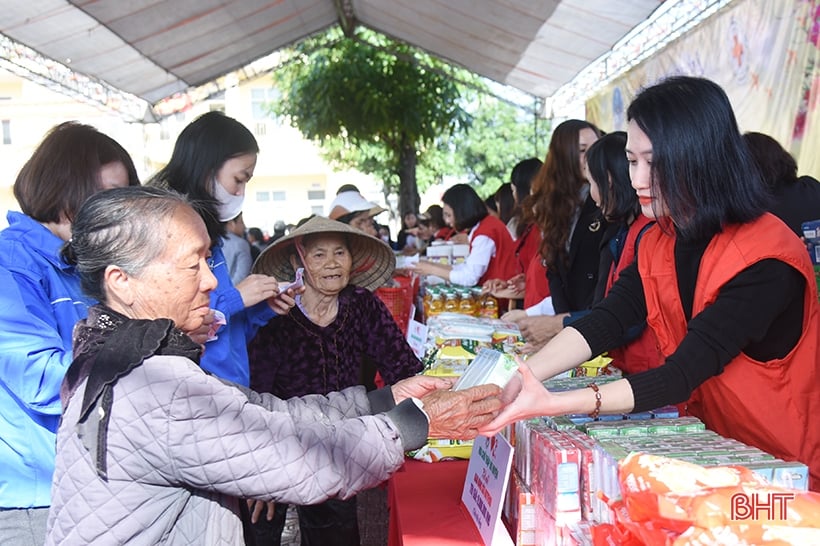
{"x": 35, "y": 341}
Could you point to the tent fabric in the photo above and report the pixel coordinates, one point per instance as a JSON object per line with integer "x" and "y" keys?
{"x": 764, "y": 54}
{"x": 155, "y": 49}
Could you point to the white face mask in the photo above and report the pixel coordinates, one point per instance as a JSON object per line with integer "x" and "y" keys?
{"x": 229, "y": 205}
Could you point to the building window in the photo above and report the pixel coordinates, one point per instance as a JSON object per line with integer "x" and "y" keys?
{"x": 260, "y": 128}
{"x": 262, "y": 196}
{"x": 317, "y": 210}
{"x": 278, "y": 195}
{"x": 316, "y": 195}
{"x": 6, "y": 131}
{"x": 261, "y": 100}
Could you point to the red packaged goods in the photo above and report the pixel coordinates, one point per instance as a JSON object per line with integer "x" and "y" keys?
{"x": 556, "y": 474}
{"x": 519, "y": 512}
{"x": 586, "y": 446}
{"x": 671, "y": 502}
{"x": 549, "y": 530}
{"x": 741, "y": 533}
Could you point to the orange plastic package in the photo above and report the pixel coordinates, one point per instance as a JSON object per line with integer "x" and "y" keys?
{"x": 672, "y": 502}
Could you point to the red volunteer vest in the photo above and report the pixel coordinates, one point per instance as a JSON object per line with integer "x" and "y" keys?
{"x": 503, "y": 264}
{"x": 530, "y": 263}
{"x": 772, "y": 405}
{"x": 537, "y": 287}
{"x": 527, "y": 246}
{"x": 643, "y": 353}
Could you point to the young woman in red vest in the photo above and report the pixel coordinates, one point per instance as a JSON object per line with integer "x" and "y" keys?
{"x": 530, "y": 281}
{"x": 572, "y": 230}
{"x": 727, "y": 289}
{"x": 607, "y": 170}
{"x": 491, "y": 245}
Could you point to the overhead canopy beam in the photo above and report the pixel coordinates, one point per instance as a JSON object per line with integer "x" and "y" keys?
{"x": 27, "y": 63}
{"x": 347, "y": 17}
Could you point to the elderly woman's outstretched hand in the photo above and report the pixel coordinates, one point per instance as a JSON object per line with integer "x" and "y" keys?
{"x": 461, "y": 414}
{"x": 418, "y": 386}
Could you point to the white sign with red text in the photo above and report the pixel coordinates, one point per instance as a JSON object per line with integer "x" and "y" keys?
{"x": 486, "y": 485}
{"x": 416, "y": 336}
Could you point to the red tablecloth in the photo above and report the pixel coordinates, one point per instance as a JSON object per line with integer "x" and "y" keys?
{"x": 425, "y": 506}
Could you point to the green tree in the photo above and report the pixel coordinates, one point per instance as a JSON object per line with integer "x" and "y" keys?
{"x": 499, "y": 136}
{"x": 374, "y": 106}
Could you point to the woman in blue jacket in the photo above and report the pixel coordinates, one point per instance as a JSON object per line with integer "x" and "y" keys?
{"x": 40, "y": 302}
{"x": 213, "y": 160}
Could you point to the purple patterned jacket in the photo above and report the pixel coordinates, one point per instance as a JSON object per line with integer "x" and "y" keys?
{"x": 292, "y": 356}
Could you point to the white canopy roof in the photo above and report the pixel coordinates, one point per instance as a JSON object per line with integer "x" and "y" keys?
{"x": 154, "y": 48}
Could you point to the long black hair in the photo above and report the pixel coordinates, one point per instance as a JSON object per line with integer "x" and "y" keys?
{"x": 200, "y": 151}
{"x": 609, "y": 169}
{"x": 700, "y": 165}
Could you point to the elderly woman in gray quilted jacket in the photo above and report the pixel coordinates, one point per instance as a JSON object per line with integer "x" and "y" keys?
{"x": 152, "y": 450}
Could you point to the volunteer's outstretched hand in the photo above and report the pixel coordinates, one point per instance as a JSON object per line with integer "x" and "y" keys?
{"x": 523, "y": 397}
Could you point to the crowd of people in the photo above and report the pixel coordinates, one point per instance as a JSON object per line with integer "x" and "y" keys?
{"x": 112, "y": 294}
{"x": 171, "y": 376}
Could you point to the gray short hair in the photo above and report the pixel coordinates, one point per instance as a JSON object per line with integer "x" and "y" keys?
{"x": 119, "y": 227}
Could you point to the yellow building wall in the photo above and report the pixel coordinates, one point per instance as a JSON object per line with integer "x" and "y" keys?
{"x": 291, "y": 180}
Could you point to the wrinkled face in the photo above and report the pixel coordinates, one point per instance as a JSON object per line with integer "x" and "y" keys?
{"x": 327, "y": 262}
{"x": 113, "y": 175}
{"x": 178, "y": 283}
{"x": 586, "y": 138}
{"x": 639, "y": 155}
{"x": 449, "y": 217}
{"x": 364, "y": 222}
{"x": 236, "y": 172}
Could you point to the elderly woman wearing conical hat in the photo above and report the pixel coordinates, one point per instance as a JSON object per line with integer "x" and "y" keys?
{"x": 320, "y": 345}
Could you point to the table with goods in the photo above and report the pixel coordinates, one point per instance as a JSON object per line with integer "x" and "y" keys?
{"x": 648, "y": 478}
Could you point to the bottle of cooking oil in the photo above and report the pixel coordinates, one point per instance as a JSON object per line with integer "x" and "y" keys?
{"x": 425, "y": 300}
{"x": 466, "y": 304}
{"x": 489, "y": 306}
{"x": 478, "y": 297}
{"x": 451, "y": 302}
{"x": 436, "y": 303}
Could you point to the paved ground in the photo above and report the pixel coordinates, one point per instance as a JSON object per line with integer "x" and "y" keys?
{"x": 373, "y": 520}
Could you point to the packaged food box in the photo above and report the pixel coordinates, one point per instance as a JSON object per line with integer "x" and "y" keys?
{"x": 811, "y": 233}
{"x": 505, "y": 334}
{"x": 550, "y": 530}
{"x": 522, "y": 454}
{"x": 489, "y": 366}
{"x": 441, "y": 253}
{"x": 437, "y": 449}
{"x": 665, "y": 412}
{"x": 587, "y": 488}
{"x": 449, "y": 367}
{"x": 556, "y": 463}
{"x": 519, "y": 511}
{"x": 811, "y": 230}
{"x": 460, "y": 250}
{"x": 451, "y": 347}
